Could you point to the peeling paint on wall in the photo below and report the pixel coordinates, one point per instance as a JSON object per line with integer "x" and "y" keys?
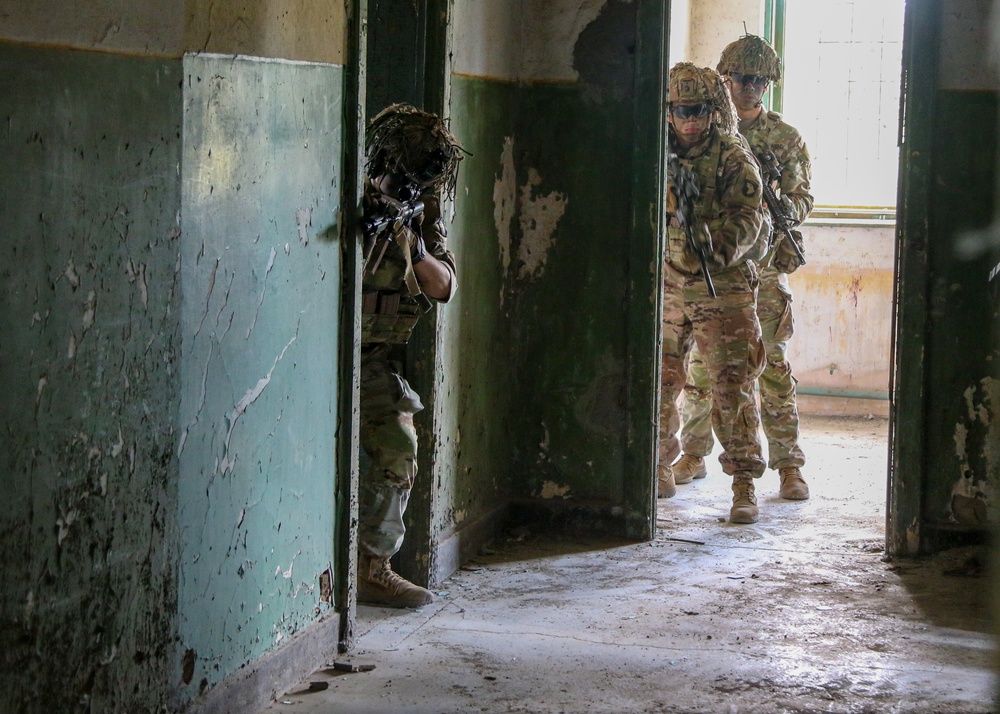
{"x": 977, "y": 449}
{"x": 550, "y": 489}
{"x": 504, "y": 201}
{"x": 551, "y": 30}
{"x": 539, "y": 216}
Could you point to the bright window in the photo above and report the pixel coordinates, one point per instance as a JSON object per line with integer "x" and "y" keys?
{"x": 842, "y": 66}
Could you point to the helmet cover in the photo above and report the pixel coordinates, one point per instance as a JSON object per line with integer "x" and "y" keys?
{"x": 405, "y": 140}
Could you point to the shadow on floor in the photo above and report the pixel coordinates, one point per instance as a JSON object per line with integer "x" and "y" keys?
{"x": 796, "y": 613}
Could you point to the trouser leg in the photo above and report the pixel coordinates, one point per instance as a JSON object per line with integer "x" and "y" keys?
{"x": 727, "y": 332}
{"x": 696, "y": 409}
{"x": 779, "y": 411}
{"x": 389, "y": 437}
{"x": 676, "y": 345}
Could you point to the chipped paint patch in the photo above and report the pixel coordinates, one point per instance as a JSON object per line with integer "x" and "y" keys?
{"x": 504, "y": 201}
{"x": 540, "y": 214}
{"x": 249, "y": 398}
{"x": 977, "y": 449}
{"x": 551, "y": 36}
{"x": 550, "y": 489}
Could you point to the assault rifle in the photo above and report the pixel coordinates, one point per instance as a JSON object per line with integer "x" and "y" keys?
{"x": 771, "y": 171}
{"x": 388, "y": 213}
{"x": 385, "y": 214}
{"x": 687, "y": 192}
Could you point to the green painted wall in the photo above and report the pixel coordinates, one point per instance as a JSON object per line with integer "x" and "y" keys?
{"x": 962, "y": 354}
{"x": 565, "y": 295}
{"x": 539, "y": 348}
{"x": 260, "y": 267}
{"x": 91, "y": 348}
{"x": 476, "y": 330}
{"x": 171, "y": 321}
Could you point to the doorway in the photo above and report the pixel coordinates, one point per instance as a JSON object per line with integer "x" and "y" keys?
{"x": 832, "y": 71}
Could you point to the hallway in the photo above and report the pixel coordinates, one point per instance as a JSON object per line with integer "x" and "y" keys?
{"x": 797, "y": 613}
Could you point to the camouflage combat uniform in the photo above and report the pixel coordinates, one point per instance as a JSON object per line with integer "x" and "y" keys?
{"x": 724, "y": 328}
{"x": 779, "y": 414}
{"x": 389, "y": 312}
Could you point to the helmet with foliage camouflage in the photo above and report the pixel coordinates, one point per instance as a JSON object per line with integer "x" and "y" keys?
{"x": 750, "y": 55}
{"x": 405, "y": 140}
{"x": 690, "y": 84}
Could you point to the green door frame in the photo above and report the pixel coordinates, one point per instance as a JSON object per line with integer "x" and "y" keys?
{"x": 346, "y": 507}
{"x": 645, "y": 304}
{"x": 908, "y": 372}
{"x": 774, "y": 33}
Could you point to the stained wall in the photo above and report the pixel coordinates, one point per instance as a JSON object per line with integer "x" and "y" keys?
{"x": 543, "y": 97}
{"x": 171, "y": 319}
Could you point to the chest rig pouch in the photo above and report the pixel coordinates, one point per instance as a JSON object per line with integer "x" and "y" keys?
{"x": 707, "y": 170}
{"x": 391, "y": 298}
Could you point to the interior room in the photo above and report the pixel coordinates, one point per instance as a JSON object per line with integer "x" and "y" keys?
{"x": 182, "y": 340}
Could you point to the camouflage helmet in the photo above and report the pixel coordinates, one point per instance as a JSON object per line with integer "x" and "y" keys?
{"x": 750, "y": 55}
{"x": 405, "y": 140}
{"x": 690, "y": 84}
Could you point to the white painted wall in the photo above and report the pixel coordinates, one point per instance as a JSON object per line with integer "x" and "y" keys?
{"x": 714, "y": 24}
{"x": 521, "y": 40}
{"x": 967, "y": 28}
{"x": 153, "y": 27}
{"x": 843, "y": 309}
{"x": 312, "y": 30}
{"x": 680, "y": 31}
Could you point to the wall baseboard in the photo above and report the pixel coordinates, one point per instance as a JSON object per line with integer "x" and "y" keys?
{"x": 258, "y": 685}
{"x": 464, "y": 542}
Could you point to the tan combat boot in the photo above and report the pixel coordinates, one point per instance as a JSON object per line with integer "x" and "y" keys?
{"x": 379, "y": 585}
{"x": 688, "y": 468}
{"x": 793, "y": 486}
{"x": 666, "y": 487}
{"x": 744, "y": 508}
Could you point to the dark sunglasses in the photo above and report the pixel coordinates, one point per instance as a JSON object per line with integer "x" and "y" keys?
{"x": 690, "y": 111}
{"x": 745, "y": 79}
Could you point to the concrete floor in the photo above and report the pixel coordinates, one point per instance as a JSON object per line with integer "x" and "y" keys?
{"x": 797, "y": 613}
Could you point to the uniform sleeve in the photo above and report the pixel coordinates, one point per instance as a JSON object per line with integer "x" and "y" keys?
{"x": 435, "y": 237}
{"x": 736, "y": 230}
{"x": 796, "y": 171}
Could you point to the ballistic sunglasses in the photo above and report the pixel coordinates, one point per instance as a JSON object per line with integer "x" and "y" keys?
{"x": 690, "y": 111}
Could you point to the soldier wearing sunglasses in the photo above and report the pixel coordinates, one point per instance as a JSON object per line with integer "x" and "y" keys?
{"x": 727, "y": 223}
{"x": 749, "y": 66}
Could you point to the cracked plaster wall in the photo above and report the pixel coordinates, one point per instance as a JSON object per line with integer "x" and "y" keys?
{"x": 130, "y": 383}
{"x": 260, "y": 270}
{"x": 91, "y": 325}
{"x": 312, "y": 30}
{"x": 543, "y": 99}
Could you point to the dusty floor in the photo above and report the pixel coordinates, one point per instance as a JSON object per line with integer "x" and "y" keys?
{"x": 797, "y": 613}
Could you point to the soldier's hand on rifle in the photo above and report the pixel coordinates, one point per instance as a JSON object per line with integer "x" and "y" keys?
{"x": 788, "y": 210}
{"x": 418, "y": 250}
{"x": 704, "y": 237}
{"x": 786, "y": 259}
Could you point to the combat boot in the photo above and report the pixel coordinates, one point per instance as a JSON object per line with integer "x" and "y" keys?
{"x": 688, "y": 468}
{"x": 793, "y": 486}
{"x": 666, "y": 487}
{"x": 744, "y": 508}
{"x": 379, "y": 585}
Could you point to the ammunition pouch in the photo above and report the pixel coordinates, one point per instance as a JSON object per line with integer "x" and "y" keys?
{"x": 387, "y": 317}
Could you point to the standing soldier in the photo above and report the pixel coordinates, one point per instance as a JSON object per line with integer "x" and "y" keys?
{"x": 412, "y": 159}
{"x": 715, "y": 220}
{"x": 749, "y": 65}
